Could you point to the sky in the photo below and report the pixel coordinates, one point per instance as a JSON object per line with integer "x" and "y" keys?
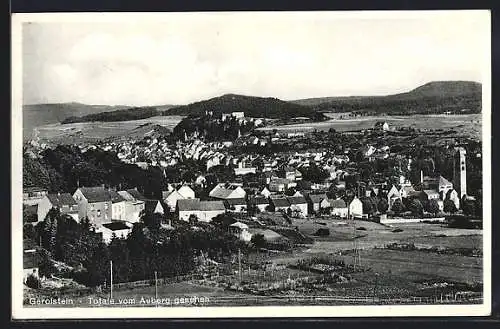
{"x": 179, "y": 58}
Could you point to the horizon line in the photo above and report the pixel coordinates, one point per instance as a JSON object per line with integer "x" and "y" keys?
{"x": 247, "y": 95}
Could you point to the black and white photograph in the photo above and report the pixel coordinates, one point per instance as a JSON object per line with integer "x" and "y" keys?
{"x": 251, "y": 164}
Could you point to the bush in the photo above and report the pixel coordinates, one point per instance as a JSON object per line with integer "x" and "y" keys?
{"x": 33, "y": 282}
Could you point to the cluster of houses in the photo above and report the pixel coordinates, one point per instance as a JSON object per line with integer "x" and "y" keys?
{"x": 103, "y": 207}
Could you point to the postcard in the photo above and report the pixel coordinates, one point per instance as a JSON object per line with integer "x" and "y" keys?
{"x": 251, "y": 164}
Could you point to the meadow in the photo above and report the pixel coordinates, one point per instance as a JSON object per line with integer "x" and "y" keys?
{"x": 469, "y": 124}
{"x": 89, "y": 131}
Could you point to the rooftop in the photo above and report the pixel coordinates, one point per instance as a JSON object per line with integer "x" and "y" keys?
{"x": 61, "y": 199}
{"x": 116, "y": 225}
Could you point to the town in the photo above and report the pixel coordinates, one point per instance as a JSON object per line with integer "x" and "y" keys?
{"x": 239, "y": 189}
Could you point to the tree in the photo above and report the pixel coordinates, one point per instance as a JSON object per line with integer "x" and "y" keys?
{"x": 223, "y": 221}
{"x": 45, "y": 266}
{"x": 416, "y": 208}
{"x": 50, "y": 230}
{"x": 397, "y": 206}
{"x": 314, "y": 174}
{"x": 29, "y": 217}
{"x": 151, "y": 220}
{"x": 193, "y": 219}
{"x": 33, "y": 282}
{"x": 449, "y": 206}
{"x": 367, "y": 206}
{"x": 258, "y": 241}
{"x": 468, "y": 207}
{"x": 383, "y": 205}
{"x": 29, "y": 232}
{"x": 120, "y": 255}
{"x": 433, "y": 207}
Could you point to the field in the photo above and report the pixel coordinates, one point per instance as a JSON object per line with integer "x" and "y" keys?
{"x": 88, "y": 131}
{"x": 469, "y": 124}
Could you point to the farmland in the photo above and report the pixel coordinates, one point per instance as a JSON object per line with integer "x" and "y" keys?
{"x": 379, "y": 275}
{"x": 469, "y": 124}
{"x": 91, "y": 131}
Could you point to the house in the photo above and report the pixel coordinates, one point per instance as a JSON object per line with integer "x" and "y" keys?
{"x": 408, "y": 191}
{"x": 153, "y": 206}
{"x": 298, "y": 205}
{"x": 381, "y": 126}
{"x": 133, "y": 207}
{"x": 120, "y": 229}
{"x": 453, "y": 196}
{"x": 200, "y": 180}
{"x": 171, "y": 197}
{"x": 315, "y": 201}
{"x": 30, "y": 259}
{"x": 241, "y": 231}
{"x": 203, "y": 210}
{"x": 186, "y": 192}
{"x": 279, "y": 203}
{"x": 429, "y": 195}
{"x": 260, "y": 202}
{"x": 281, "y": 184}
{"x": 238, "y": 115}
{"x": 95, "y": 203}
{"x": 292, "y": 174}
{"x": 62, "y": 201}
{"x": 444, "y": 186}
{"x": 339, "y": 208}
{"x": 393, "y": 195}
{"x": 355, "y": 208}
{"x": 236, "y": 205}
{"x": 33, "y": 195}
{"x": 268, "y": 176}
{"x": 240, "y": 171}
{"x": 136, "y": 194}
{"x": 117, "y": 206}
{"x": 227, "y": 191}
{"x": 265, "y": 192}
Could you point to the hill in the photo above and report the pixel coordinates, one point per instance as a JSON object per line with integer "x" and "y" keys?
{"x": 43, "y": 114}
{"x": 258, "y": 107}
{"x": 134, "y": 113}
{"x": 433, "y": 97}
{"x": 151, "y": 130}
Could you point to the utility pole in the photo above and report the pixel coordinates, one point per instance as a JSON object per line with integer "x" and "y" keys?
{"x": 156, "y": 289}
{"x": 239, "y": 264}
{"x": 111, "y": 278}
{"x": 375, "y": 287}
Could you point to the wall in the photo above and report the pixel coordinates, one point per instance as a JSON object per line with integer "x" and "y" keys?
{"x": 133, "y": 210}
{"x": 104, "y": 208}
{"x": 43, "y": 208}
{"x": 207, "y": 216}
{"x": 118, "y": 211}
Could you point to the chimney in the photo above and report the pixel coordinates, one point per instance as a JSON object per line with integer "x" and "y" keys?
{"x": 421, "y": 176}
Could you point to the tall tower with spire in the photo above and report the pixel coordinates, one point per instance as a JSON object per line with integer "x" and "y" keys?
{"x": 459, "y": 172}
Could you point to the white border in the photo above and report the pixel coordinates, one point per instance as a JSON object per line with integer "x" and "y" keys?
{"x": 19, "y": 312}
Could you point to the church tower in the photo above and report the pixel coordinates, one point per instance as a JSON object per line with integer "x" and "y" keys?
{"x": 459, "y": 172}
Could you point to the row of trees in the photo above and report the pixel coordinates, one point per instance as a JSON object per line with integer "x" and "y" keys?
{"x": 148, "y": 248}
{"x": 64, "y": 168}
